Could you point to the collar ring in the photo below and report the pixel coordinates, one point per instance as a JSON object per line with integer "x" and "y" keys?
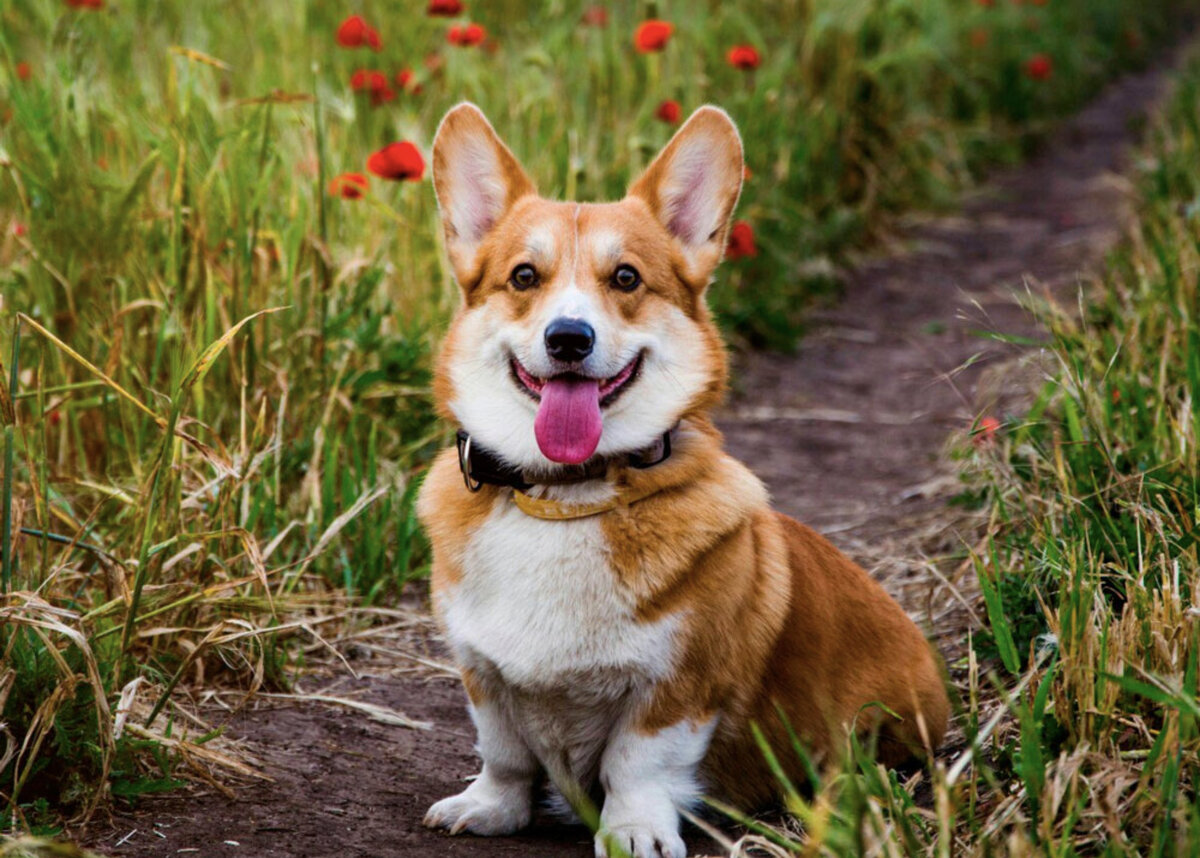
{"x": 464, "y": 462}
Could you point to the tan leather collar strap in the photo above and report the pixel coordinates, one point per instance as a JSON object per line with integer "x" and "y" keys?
{"x": 552, "y": 510}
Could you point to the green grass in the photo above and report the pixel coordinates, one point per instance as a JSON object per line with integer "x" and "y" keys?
{"x": 186, "y": 474}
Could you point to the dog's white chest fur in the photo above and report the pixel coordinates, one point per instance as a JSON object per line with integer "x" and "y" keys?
{"x": 539, "y": 602}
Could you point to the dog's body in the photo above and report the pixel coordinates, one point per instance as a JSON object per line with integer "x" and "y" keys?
{"x": 619, "y": 622}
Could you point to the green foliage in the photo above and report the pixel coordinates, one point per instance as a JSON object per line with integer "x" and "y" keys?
{"x": 188, "y": 476}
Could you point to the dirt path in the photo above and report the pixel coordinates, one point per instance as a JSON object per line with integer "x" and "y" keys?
{"x": 848, "y": 433}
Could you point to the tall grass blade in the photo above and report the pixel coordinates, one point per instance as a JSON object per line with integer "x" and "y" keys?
{"x": 9, "y": 415}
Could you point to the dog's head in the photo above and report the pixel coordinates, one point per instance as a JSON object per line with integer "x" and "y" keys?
{"x": 583, "y": 329}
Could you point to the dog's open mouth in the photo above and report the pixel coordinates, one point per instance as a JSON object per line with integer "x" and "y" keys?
{"x": 568, "y": 423}
{"x": 608, "y": 389}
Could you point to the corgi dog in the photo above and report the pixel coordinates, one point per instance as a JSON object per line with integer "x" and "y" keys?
{"x": 621, "y": 600}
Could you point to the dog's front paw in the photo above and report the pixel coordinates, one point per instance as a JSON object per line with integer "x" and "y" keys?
{"x": 481, "y": 811}
{"x": 639, "y": 841}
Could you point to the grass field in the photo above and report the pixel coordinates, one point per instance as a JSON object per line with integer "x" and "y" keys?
{"x": 215, "y": 394}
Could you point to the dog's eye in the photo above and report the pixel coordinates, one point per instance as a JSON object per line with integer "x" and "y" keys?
{"x": 524, "y": 277}
{"x": 626, "y": 278}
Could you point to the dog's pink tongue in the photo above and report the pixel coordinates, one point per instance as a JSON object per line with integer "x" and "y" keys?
{"x": 568, "y": 423}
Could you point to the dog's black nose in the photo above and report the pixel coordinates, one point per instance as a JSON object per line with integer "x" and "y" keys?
{"x": 569, "y": 340}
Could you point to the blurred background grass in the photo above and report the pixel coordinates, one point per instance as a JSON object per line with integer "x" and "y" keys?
{"x": 176, "y": 497}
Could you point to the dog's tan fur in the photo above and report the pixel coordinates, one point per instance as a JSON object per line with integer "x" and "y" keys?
{"x": 761, "y": 611}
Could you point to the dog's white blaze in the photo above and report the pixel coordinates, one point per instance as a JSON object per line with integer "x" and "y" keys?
{"x": 575, "y": 248}
{"x": 539, "y": 602}
{"x": 646, "y": 778}
{"x": 573, "y": 303}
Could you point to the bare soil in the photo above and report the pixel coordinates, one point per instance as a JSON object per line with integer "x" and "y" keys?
{"x": 850, "y": 434}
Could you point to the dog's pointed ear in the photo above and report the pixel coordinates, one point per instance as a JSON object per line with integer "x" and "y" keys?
{"x": 476, "y": 179}
{"x": 694, "y": 184}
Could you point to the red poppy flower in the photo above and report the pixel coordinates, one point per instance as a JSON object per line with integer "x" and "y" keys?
{"x": 744, "y": 57}
{"x": 349, "y": 186}
{"x": 86, "y": 4}
{"x": 55, "y": 417}
{"x": 595, "y": 16}
{"x": 741, "y": 241}
{"x": 669, "y": 112}
{"x": 985, "y": 432}
{"x": 404, "y": 80}
{"x": 652, "y": 36}
{"x": 374, "y": 82}
{"x": 979, "y": 37}
{"x": 24, "y": 71}
{"x": 466, "y": 36}
{"x": 1039, "y": 67}
{"x": 354, "y": 32}
{"x": 444, "y": 8}
{"x": 397, "y": 161}
{"x": 18, "y": 229}
{"x": 366, "y": 79}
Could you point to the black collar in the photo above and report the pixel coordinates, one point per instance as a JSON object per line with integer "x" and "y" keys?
{"x": 480, "y": 467}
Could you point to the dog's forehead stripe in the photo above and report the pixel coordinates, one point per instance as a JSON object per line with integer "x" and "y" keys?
{"x": 575, "y": 252}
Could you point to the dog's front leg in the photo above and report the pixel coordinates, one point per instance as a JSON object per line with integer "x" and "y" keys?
{"x": 646, "y": 776}
{"x": 500, "y": 800}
